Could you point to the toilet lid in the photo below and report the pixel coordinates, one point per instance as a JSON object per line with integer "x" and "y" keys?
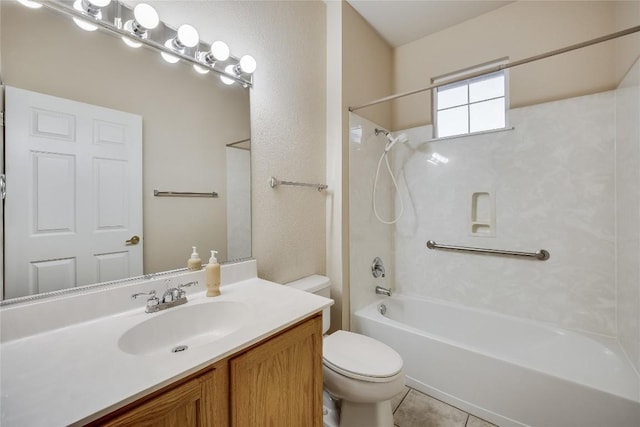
{"x": 359, "y": 356}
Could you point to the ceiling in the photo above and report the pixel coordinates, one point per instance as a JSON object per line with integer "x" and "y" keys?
{"x": 401, "y": 21}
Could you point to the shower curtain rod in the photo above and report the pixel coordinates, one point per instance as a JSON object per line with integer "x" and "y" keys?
{"x": 503, "y": 66}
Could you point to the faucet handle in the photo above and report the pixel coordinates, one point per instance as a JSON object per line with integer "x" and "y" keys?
{"x": 180, "y": 288}
{"x": 377, "y": 268}
{"x": 153, "y": 299}
{"x": 151, "y": 293}
{"x": 186, "y": 285}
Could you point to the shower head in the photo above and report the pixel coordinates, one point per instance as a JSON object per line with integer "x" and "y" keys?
{"x": 392, "y": 141}
{"x": 379, "y": 131}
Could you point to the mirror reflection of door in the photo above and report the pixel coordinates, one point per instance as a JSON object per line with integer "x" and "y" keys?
{"x": 74, "y": 193}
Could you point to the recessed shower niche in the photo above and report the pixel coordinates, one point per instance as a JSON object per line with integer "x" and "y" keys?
{"x": 483, "y": 214}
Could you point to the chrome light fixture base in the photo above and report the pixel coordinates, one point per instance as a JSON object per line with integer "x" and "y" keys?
{"x": 112, "y": 16}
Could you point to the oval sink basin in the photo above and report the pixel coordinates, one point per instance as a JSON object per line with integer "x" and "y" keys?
{"x": 188, "y": 325}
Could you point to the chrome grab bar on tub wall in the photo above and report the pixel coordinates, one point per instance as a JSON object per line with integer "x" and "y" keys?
{"x": 541, "y": 255}
{"x": 158, "y": 193}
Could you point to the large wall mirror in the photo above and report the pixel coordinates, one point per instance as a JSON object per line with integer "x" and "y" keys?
{"x": 195, "y": 138}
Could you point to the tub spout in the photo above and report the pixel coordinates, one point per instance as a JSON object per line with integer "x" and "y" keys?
{"x": 383, "y": 291}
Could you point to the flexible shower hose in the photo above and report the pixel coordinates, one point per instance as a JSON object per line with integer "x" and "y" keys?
{"x": 395, "y": 184}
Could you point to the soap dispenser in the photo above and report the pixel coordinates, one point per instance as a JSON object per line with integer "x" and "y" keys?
{"x": 212, "y": 273}
{"x": 194, "y": 263}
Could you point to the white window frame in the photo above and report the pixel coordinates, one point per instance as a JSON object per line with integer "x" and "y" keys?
{"x": 488, "y": 66}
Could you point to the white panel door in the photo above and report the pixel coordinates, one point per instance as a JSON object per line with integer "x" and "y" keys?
{"x": 74, "y": 193}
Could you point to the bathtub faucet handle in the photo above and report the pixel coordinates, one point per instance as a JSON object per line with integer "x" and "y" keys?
{"x": 377, "y": 268}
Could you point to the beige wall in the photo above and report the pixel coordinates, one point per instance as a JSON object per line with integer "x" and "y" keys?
{"x": 288, "y": 118}
{"x": 45, "y": 52}
{"x": 518, "y": 30}
{"x": 627, "y": 48}
{"x": 367, "y": 67}
{"x": 366, "y": 74}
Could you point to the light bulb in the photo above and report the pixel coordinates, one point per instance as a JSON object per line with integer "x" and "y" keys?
{"x": 187, "y": 36}
{"x": 247, "y": 64}
{"x": 220, "y": 50}
{"x": 146, "y": 16}
{"x": 77, "y": 5}
{"x": 229, "y": 69}
{"x": 171, "y": 59}
{"x": 30, "y": 4}
{"x": 84, "y": 24}
{"x": 130, "y": 42}
{"x": 99, "y": 3}
{"x": 200, "y": 69}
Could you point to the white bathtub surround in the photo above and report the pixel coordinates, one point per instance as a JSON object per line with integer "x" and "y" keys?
{"x": 552, "y": 180}
{"x": 510, "y": 371}
{"x": 518, "y": 341}
{"x": 73, "y": 373}
{"x": 368, "y": 237}
{"x": 628, "y": 212}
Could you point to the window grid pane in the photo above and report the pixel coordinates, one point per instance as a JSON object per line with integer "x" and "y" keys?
{"x": 452, "y": 96}
{"x": 487, "y": 115}
{"x": 453, "y": 121}
{"x": 473, "y": 105}
{"x": 488, "y": 87}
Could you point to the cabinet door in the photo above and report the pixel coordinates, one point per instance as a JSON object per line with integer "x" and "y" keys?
{"x": 279, "y": 383}
{"x": 200, "y": 402}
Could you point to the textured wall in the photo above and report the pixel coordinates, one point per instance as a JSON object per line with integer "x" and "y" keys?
{"x": 553, "y": 182}
{"x": 628, "y": 212}
{"x": 288, "y": 114}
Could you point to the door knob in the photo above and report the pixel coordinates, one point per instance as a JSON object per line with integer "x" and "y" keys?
{"x": 133, "y": 241}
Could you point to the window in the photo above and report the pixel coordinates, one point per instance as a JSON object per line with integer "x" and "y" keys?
{"x": 474, "y": 105}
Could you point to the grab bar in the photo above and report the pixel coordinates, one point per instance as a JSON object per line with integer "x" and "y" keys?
{"x": 274, "y": 182}
{"x": 183, "y": 194}
{"x": 541, "y": 255}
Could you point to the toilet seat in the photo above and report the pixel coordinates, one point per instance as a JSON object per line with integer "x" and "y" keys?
{"x": 360, "y": 357}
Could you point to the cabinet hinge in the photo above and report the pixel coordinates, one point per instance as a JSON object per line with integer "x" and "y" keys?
{"x": 2, "y": 118}
{"x": 3, "y": 186}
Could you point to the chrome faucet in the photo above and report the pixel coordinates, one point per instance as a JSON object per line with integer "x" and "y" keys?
{"x": 383, "y": 291}
{"x": 152, "y": 302}
{"x": 172, "y": 297}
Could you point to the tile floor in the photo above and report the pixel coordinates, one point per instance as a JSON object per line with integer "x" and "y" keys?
{"x": 414, "y": 409}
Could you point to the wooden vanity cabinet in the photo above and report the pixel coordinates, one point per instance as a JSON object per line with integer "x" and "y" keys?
{"x": 279, "y": 382}
{"x": 198, "y": 401}
{"x": 275, "y": 382}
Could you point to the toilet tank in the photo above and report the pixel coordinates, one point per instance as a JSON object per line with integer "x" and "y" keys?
{"x": 318, "y": 285}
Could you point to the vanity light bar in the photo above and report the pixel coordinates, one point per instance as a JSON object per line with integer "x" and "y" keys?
{"x": 115, "y": 14}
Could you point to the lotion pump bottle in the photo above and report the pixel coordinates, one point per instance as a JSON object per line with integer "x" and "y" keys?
{"x": 212, "y": 273}
{"x": 194, "y": 263}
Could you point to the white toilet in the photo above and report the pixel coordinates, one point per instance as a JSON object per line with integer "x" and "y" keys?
{"x": 363, "y": 373}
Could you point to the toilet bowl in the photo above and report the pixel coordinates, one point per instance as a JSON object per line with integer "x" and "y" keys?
{"x": 362, "y": 373}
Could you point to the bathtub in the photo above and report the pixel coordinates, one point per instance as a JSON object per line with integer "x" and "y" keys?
{"x": 509, "y": 371}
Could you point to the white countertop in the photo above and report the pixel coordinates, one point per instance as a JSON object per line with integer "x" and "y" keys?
{"x": 77, "y": 373}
